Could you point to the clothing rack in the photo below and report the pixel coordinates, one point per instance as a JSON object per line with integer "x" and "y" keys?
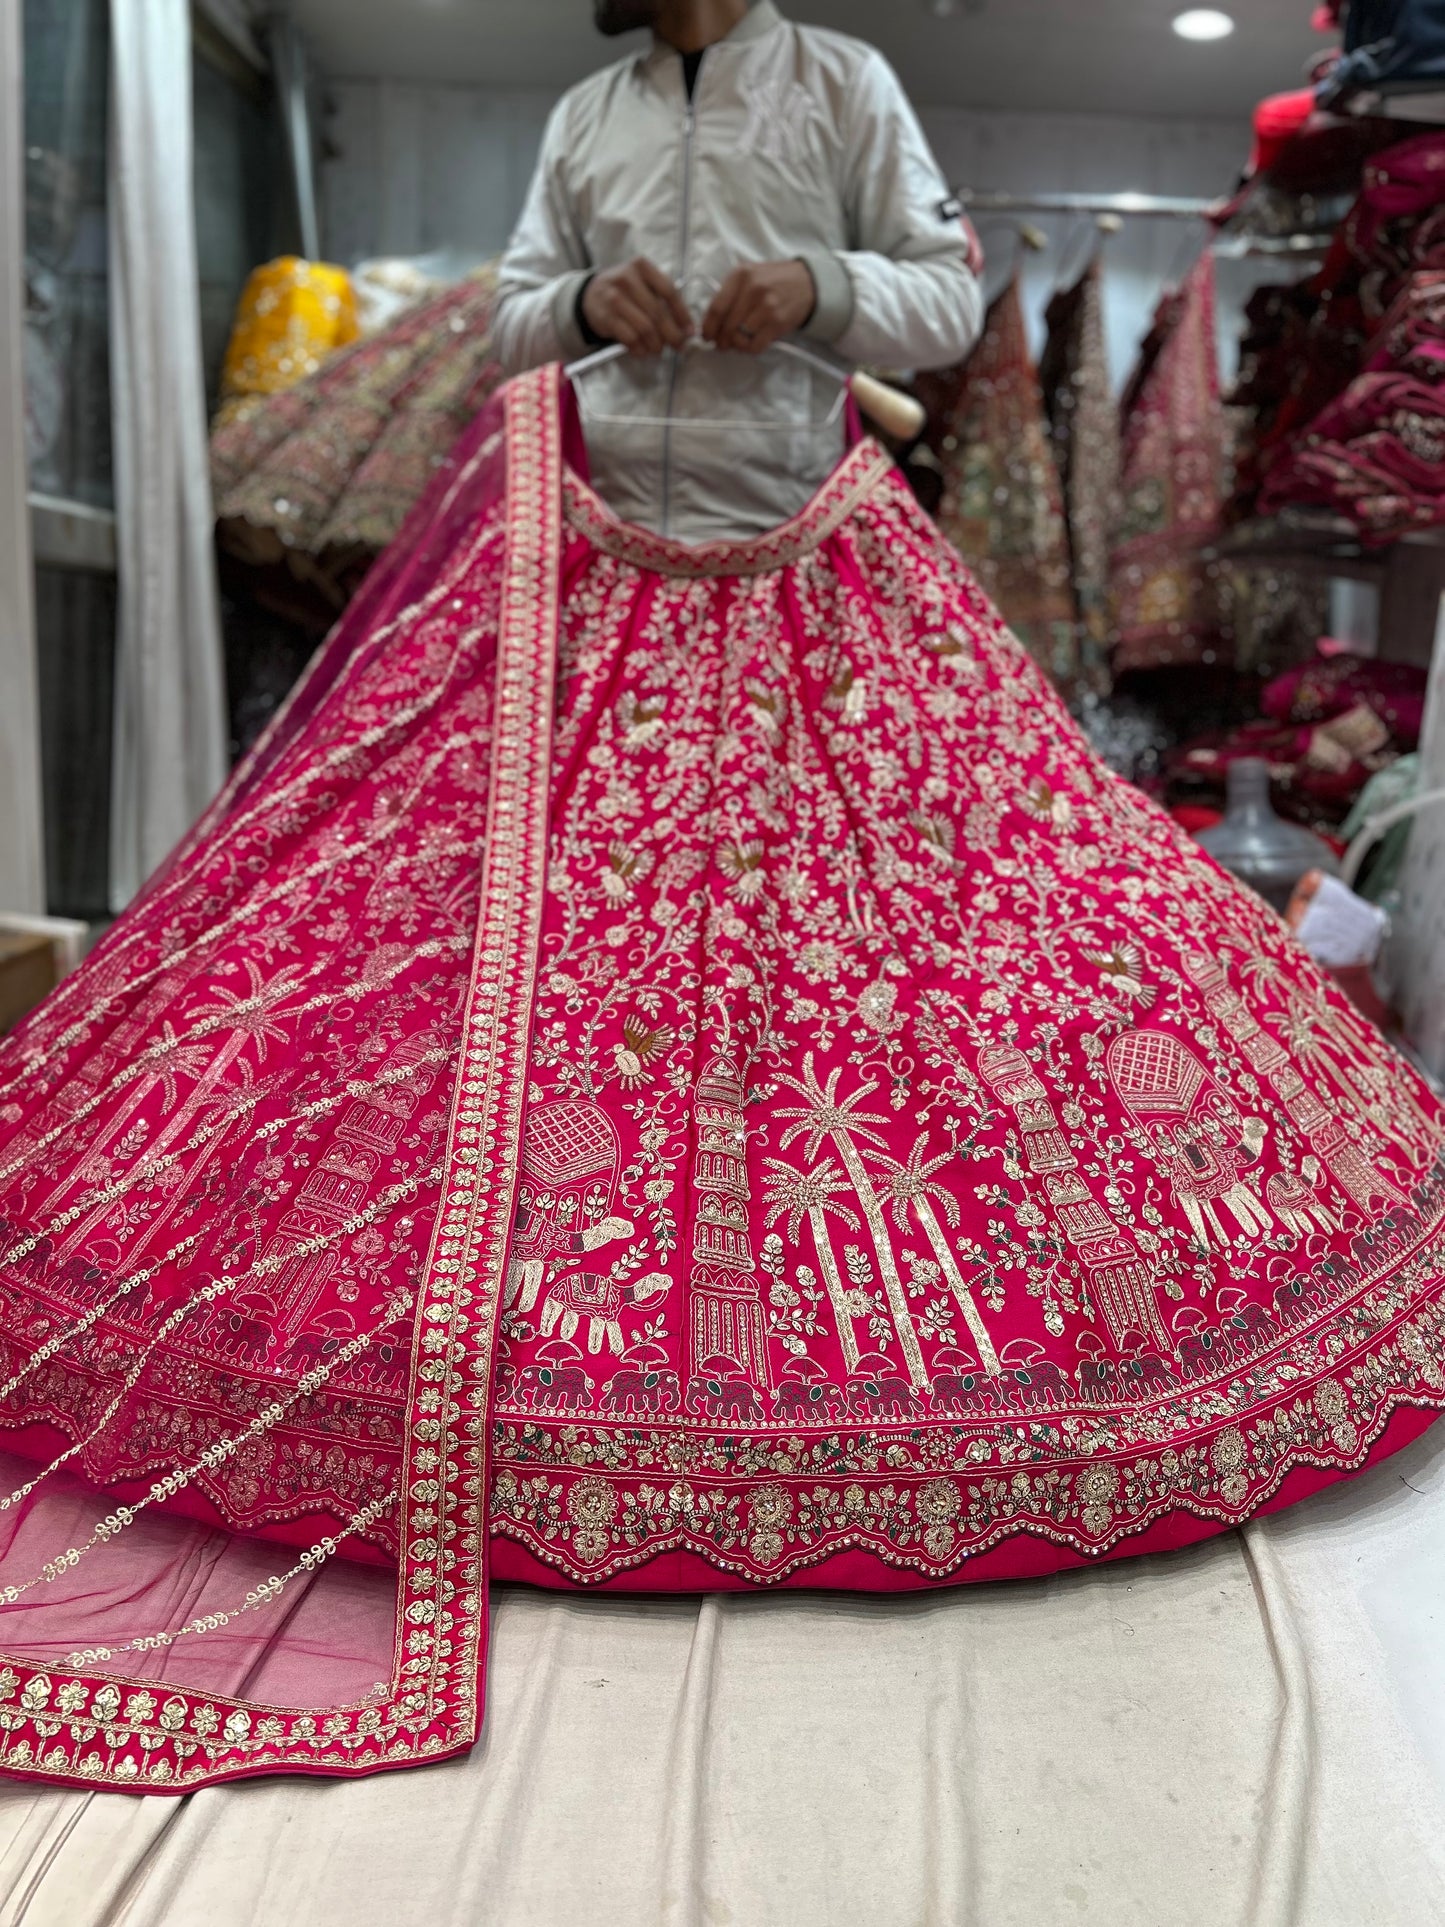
{"x": 1166, "y": 207}
{"x": 1111, "y": 208}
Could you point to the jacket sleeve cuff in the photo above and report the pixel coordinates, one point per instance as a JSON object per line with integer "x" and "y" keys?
{"x": 833, "y": 309}
{"x": 565, "y": 291}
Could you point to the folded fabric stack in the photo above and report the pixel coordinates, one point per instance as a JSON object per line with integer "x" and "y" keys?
{"x": 1328, "y": 727}
{"x": 1298, "y": 353}
{"x": 1376, "y": 457}
{"x": 292, "y": 316}
{"x": 1373, "y": 454}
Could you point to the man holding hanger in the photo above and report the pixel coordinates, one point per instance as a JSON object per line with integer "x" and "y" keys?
{"x": 742, "y": 181}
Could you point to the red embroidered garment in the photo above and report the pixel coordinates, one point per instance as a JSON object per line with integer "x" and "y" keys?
{"x": 1002, "y": 506}
{"x": 1173, "y": 478}
{"x": 1084, "y": 425}
{"x": 1362, "y": 438}
{"x": 687, "y": 1046}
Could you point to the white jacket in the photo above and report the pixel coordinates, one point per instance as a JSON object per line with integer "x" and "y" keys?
{"x": 798, "y": 143}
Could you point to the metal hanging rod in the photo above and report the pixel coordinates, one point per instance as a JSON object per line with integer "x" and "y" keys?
{"x": 1165, "y": 207}
{"x": 1109, "y": 209}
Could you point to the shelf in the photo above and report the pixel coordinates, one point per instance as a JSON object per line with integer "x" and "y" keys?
{"x": 1237, "y": 245}
{"x": 1302, "y": 551}
{"x": 1409, "y": 574}
{"x": 72, "y": 535}
{"x": 1316, "y": 551}
{"x": 1425, "y": 104}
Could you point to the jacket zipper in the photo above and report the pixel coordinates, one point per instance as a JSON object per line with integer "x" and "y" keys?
{"x": 689, "y": 124}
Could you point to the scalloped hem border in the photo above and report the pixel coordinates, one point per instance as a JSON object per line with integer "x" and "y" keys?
{"x": 855, "y": 1562}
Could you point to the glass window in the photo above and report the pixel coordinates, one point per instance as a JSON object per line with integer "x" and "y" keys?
{"x": 237, "y": 156}
{"x": 67, "y": 430}
{"x": 66, "y": 322}
{"x": 67, "y": 379}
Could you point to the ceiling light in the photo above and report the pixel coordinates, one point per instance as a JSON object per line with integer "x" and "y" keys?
{"x": 1203, "y": 23}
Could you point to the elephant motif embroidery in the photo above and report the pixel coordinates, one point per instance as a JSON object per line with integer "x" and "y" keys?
{"x": 1296, "y": 1203}
{"x": 600, "y": 1301}
{"x": 567, "y": 1185}
{"x": 638, "y": 1389}
{"x": 1358, "y": 1176}
{"x": 1198, "y": 1134}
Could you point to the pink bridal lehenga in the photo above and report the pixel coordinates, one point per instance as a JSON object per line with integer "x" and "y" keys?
{"x": 670, "y": 1068}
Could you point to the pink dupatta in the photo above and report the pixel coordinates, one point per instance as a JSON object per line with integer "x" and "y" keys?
{"x": 137, "y": 1713}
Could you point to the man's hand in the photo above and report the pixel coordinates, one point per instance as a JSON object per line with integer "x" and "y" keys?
{"x": 759, "y": 304}
{"x": 638, "y": 306}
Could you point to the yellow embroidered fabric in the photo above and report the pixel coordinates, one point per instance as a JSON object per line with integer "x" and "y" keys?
{"x": 291, "y": 316}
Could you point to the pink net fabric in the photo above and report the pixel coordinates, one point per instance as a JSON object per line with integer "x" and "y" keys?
{"x": 329, "y": 1643}
{"x": 224, "y": 1143}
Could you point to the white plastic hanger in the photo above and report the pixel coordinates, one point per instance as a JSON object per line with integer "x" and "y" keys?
{"x": 898, "y": 414}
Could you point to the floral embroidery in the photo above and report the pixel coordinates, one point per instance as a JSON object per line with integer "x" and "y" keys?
{"x": 818, "y": 1110}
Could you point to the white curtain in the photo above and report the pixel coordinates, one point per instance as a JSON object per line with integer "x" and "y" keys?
{"x": 22, "y": 843}
{"x": 170, "y": 718}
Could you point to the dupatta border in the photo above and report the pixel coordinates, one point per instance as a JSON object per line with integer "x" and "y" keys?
{"x": 109, "y": 1730}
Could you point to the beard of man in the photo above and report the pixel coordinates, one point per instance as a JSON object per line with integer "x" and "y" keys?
{"x": 623, "y": 16}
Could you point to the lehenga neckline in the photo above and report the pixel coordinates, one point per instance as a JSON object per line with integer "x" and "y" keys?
{"x": 861, "y": 468}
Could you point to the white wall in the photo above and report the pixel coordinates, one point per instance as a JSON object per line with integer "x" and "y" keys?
{"x": 428, "y": 167}
{"x": 1088, "y": 154}
{"x": 424, "y": 168}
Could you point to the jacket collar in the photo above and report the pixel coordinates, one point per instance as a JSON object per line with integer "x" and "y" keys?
{"x": 761, "y": 18}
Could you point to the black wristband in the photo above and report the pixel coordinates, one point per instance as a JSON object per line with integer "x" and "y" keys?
{"x": 814, "y": 309}
{"x": 584, "y": 327}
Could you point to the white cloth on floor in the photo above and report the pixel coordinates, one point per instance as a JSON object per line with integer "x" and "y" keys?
{"x": 1247, "y": 1734}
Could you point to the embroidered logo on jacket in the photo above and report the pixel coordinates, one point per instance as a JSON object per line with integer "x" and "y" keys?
{"x": 780, "y": 112}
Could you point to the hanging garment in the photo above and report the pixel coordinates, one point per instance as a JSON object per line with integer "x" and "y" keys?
{"x": 292, "y": 315}
{"x": 323, "y": 475}
{"x": 1001, "y": 504}
{"x": 1173, "y": 461}
{"x": 1084, "y": 422}
{"x": 669, "y": 1068}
